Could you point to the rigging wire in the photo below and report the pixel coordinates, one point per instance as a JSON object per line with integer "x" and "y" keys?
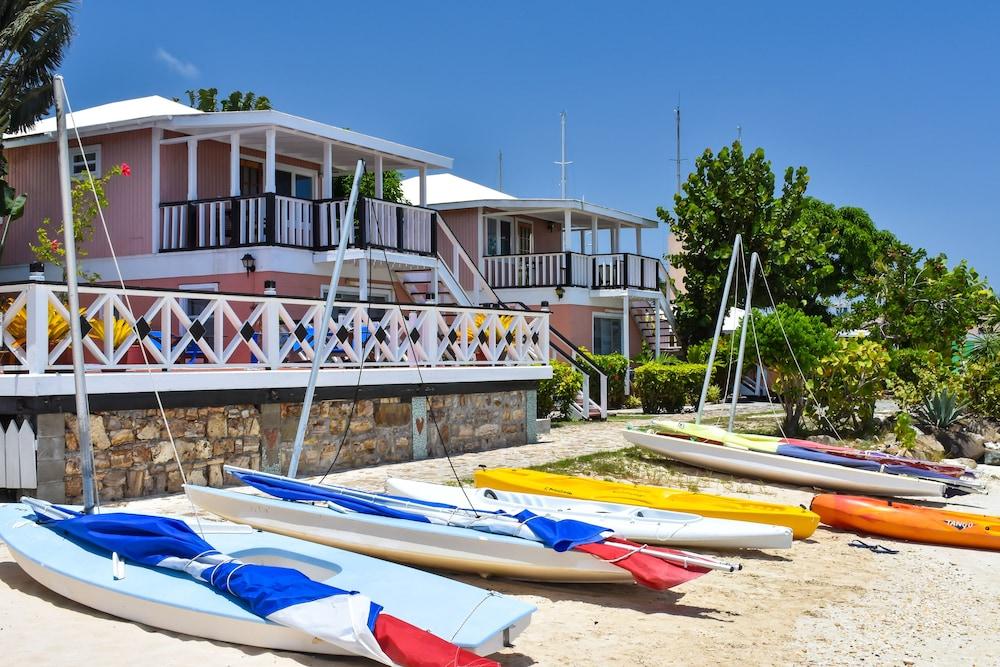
{"x": 422, "y": 386}
{"x": 131, "y": 312}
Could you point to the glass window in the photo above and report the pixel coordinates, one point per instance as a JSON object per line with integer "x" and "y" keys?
{"x": 250, "y": 177}
{"x": 524, "y": 238}
{"x": 283, "y": 183}
{"x": 498, "y": 236}
{"x": 607, "y": 335}
{"x": 303, "y": 186}
{"x": 89, "y": 157}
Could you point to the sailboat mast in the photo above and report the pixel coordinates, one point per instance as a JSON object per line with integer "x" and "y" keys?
{"x": 320, "y": 351}
{"x": 73, "y": 292}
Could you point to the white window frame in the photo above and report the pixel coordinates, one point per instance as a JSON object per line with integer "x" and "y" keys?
{"x": 607, "y": 316}
{"x": 77, "y": 159}
{"x": 499, "y": 219}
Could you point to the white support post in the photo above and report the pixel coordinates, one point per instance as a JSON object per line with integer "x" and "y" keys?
{"x": 656, "y": 329}
{"x": 154, "y": 177}
{"x": 379, "y": 192}
{"x": 271, "y": 332}
{"x": 192, "y": 175}
{"x": 37, "y": 333}
{"x": 363, "y": 277}
{"x": 583, "y": 241}
{"x": 616, "y": 232}
{"x": 327, "y": 176}
{"x": 270, "y": 160}
{"x": 593, "y": 235}
{"x": 435, "y": 280}
{"x": 626, "y": 317}
{"x": 480, "y": 238}
{"x": 423, "y": 186}
{"x": 638, "y": 240}
{"x": 567, "y": 230}
{"x": 234, "y": 165}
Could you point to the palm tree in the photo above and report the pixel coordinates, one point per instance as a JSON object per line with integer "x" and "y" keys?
{"x": 33, "y": 37}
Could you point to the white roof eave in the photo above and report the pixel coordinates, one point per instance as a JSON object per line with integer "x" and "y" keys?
{"x": 241, "y": 119}
{"x": 515, "y": 205}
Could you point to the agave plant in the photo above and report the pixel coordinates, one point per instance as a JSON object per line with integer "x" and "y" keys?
{"x": 941, "y": 409}
{"x": 985, "y": 345}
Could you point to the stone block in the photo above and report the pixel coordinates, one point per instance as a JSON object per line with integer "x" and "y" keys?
{"x": 150, "y": 431}
{"x": 121, "y": 437}
{"x": 215, "y": 475}
{"x": 391, "y": 414}
{"x": 218, "y": 426}
{"x": 135, "y": 482}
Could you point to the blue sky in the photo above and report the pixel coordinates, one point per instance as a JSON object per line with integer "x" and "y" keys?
{"x": 892, "y": 106}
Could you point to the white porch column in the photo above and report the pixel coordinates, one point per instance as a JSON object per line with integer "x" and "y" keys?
{"x": 638, "y": 240}
{"x": 363, "y": 278}
{"x": 234, "y": 165}
{"x": 656, "y": 329}
{"x": 616, "y": 233}
{"x": 327, "y": 188}
{"x": 567, "y": 230}
{"x": 378, "y": 176}
{"x": 593, "y": 235}
{"x": 423, "y": 186}
{"x": 270, "y": 160}
{"x": 626, "y": 316}
{"x": 192, "y": 176}
{"x": 480, "y": 238}
{"x": 583, "y": 241}
{"x": 154, "y": 176}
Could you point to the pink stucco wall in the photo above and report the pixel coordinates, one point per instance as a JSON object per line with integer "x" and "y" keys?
{"x": 34, "y": 171}
{"x": 576, "y": 322}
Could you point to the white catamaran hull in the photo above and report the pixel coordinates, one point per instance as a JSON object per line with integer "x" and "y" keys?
{"x": 644, "y": 525}
{"x": 174, "y": 602}
{"x": 800, "y": 472}
{"x": 410, "y": 542}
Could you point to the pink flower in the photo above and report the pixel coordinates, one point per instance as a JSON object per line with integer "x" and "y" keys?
{"x": 126, "y": 170}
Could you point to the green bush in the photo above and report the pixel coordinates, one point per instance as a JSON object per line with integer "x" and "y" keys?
{"x": 906, "y": 437}
{"x": 614, "y": 366}
{"x": 667, "y": 387}
{"x": 846, "y": 383}
{"x": 983, "y": 382}
{"x": 557, "y": 393}
{"x": 714, "y": 394}
{"x": 922, "y": 374}
{"x": 940, "y": 410}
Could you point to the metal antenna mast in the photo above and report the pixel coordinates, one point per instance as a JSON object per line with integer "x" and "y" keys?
{"x": 678, "y": 160}
{"x": 500, "y": 170}
{"x": 563, "y": 163}
{"x": 739, "y": 133}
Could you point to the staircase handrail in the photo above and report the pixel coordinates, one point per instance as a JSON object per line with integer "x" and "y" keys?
{"x": 466, "y": 259}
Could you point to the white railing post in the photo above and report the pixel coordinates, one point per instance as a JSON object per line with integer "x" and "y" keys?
{"x": 270, "y": 331}
{"x": 37, "y": 324}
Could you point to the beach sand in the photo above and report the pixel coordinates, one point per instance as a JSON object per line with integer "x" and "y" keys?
{"x": 819, "y": 603}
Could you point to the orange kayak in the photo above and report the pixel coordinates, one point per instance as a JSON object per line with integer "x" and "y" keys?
{"x": 908, "y": 522}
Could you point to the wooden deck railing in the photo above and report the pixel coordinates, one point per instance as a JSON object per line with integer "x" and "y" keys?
{"x": 572, "y": 269}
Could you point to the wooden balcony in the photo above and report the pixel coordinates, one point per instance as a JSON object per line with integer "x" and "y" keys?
{"x": 572, "y": 269}
{"x": 278, "y": 220}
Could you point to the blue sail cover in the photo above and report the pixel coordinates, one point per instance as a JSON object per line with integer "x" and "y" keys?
{"x": 282, "y": 595}
{"x": 863, "y": 464}
{"x": 559, "y": 535}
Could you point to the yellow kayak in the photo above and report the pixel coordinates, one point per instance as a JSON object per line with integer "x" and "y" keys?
{"x": 800, "y": 520}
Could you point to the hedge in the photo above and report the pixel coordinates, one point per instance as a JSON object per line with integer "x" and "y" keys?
{"x": 667, "y": 387}
{"x": 614, "y": 366}
{"x": 555, "y": 394}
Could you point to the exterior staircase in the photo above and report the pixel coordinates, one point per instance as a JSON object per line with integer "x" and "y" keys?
{"x": 643, "y": 312}
{"x": 419, "y": 285}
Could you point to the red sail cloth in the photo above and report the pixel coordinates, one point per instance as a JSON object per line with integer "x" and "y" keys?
{"x": 649, "y": 571}
{"x": 410, "y": 646}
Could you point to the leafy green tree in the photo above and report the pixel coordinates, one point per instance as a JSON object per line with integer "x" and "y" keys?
{"x": 392, "y": 186}
{"x": 207, "y": 99}
{"x": 811, "y": 341}
{"x": 33, "y": 38}
{"x": 913, "y": 300}
{"x": 733, "y": 193}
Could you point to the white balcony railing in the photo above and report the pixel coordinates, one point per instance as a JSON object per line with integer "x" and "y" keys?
{"x": 208, "y": 331}
{"x": 618, "y": 270}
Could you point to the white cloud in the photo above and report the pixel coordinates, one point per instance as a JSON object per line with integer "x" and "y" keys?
{"x": 185, "y": 69}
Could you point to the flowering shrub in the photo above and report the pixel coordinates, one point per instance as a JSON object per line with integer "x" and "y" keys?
{"x": 847, "y": 382}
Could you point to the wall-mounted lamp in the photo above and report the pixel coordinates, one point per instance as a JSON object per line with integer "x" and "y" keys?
{"x": 249, "y": 263}
{"x": 552, "y": 227}
{"x": 560, "y": 291}
{"x": 270, "y": 288}
{"x": 36, "y": 271}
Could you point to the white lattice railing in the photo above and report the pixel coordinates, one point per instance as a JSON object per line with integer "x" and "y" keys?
{"x": 199, "y": 330}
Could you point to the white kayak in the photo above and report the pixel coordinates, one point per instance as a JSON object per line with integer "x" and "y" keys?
{"x": 472, "y": 618}
{"x": 639, "y": 524}
{"x": 785, "y": 469}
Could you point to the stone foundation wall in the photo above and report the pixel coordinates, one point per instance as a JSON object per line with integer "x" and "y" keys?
{"x": 133, "y": 456}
